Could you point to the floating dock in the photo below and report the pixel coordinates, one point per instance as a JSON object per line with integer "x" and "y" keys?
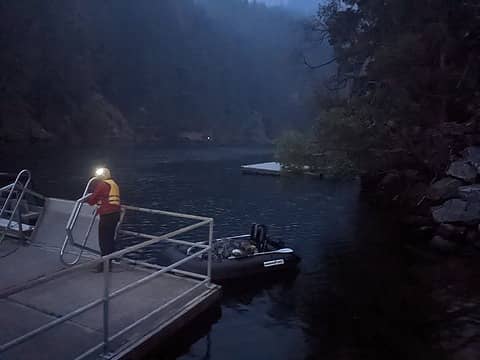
{"x": 49, "y": 310}
{"x": 277, "y": 169}
{"x": 268, "y": 168}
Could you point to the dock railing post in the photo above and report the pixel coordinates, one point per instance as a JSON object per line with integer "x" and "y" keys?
{"x": 210, "y": 238}
{"x": 106, "y": 299}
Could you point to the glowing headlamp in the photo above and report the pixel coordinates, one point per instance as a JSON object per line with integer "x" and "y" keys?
{"x": 100, "y": 172}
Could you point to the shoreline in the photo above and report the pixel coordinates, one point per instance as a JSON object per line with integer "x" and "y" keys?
{"x": 440, "y": 220}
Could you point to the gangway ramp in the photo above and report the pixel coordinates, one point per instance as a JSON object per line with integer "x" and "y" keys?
{"x": 50, "y": 230}
{"x": 41, "y": 258}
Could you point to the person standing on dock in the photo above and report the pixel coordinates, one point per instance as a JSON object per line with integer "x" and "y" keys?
{"x": 106, "y": 195}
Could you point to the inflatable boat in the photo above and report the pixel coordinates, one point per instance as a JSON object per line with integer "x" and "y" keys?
{"x": 239, "y": 256}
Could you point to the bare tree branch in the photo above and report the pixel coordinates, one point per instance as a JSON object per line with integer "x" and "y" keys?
{"x": 313, "y": 67}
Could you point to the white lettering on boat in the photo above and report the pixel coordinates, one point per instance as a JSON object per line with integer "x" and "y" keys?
{"x": 273, "y": 263}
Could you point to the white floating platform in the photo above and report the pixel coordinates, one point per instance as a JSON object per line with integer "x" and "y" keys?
{"x": 268, "y": 168}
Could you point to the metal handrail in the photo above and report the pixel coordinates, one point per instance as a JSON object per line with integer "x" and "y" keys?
{"x": 167, "y": 213}
{"x": 28, "y": 191}
{"x": 6, "y": 187}
{"x": 72, "y": 220}
{"x": 108, "y": 295}
{"x": 142, "y": 319}
{"x": 76, "y": 211}
{"x": 19, "y": 198}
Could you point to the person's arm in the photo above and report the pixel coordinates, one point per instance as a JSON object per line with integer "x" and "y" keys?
{"x": 98, "y": 193}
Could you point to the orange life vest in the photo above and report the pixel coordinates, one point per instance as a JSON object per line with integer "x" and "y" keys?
{"x": 114, "y": 194}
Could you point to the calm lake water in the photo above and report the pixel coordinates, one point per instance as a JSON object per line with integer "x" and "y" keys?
{"x": 353, "y": 297}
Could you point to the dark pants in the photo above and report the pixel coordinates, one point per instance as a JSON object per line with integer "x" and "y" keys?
{"x": 106, "y": 232}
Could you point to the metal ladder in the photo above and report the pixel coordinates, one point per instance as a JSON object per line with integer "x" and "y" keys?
{"x": 69, "y": 240}
{"x": 12, "y": 188}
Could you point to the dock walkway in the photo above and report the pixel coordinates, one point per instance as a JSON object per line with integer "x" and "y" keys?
{"x": 36, "y": 289}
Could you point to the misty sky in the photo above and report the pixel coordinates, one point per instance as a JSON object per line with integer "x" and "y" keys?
{"x": 306, "y": 6}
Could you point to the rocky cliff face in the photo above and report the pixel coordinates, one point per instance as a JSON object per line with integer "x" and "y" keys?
{"x": 90, "y": 122}
{"x": 445, "y": 210}
{"x": 442, "y": 218}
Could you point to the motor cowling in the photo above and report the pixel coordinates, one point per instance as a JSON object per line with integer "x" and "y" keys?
{"x": 259, "y": 236}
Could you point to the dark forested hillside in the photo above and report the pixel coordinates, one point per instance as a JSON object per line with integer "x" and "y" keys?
{"x": 411, "y": 71}
{"x": 405, "y": 93}
{"x": 82, "y": 71}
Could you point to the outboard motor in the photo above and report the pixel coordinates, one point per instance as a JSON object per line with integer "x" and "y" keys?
{"x": 253, "y": 232}
{"x": 260, "y": 239}
{"x": 259, "y": 236}
{"x": 263, "y": 237}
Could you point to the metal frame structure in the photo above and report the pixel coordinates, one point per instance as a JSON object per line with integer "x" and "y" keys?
{"x": 108, "y": 294}
{"x": 12, "y": 187}
{"x": 70, "y": 226}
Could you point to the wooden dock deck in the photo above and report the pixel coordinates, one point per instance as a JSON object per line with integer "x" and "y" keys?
{"x": 36, "y": 289}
